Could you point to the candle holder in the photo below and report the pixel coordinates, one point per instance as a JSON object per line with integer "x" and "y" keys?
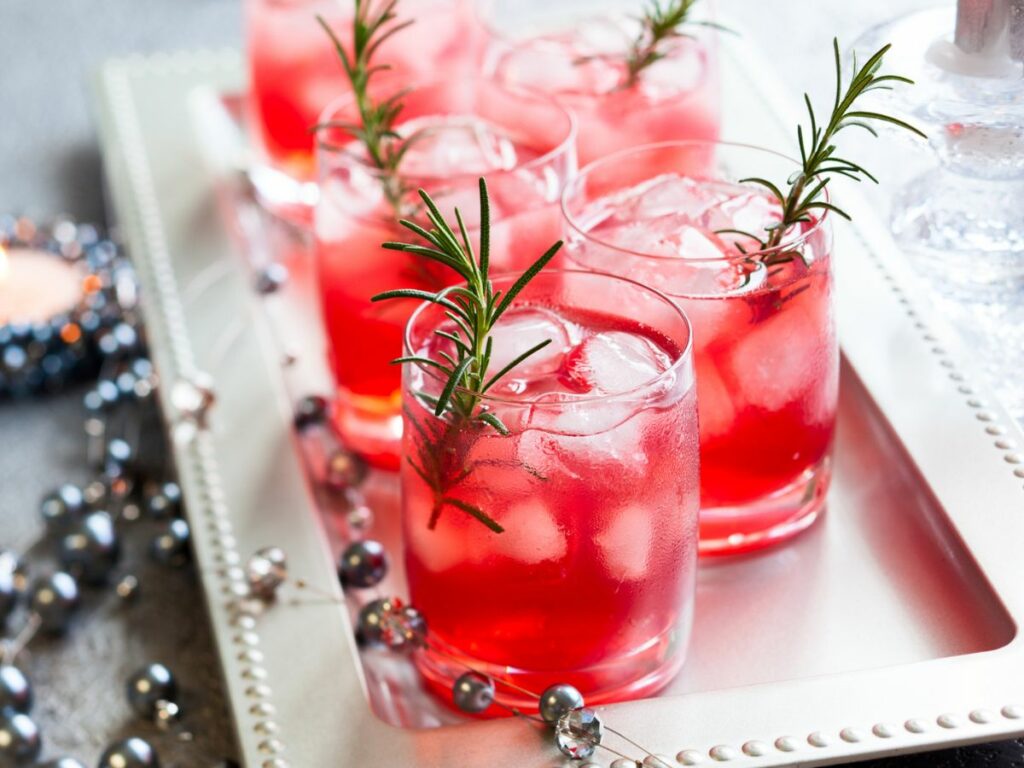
{"x": 961, "y": 221}
{"x": 60, "y": 320}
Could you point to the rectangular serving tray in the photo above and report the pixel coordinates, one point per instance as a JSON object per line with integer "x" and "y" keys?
{"x": 890, "y": 627}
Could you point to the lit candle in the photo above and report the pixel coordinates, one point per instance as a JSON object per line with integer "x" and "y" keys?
{"x": 36, "y": 285}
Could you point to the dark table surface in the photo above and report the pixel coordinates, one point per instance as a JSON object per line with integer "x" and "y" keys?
{"x": 50, "y": 164}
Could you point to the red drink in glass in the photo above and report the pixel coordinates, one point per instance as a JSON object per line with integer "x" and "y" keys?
{"x": 765, "y": 347}
{"x": 591, "y": 582}
{"x": 295, "y": 73}
{"x": 583, "y": 64}
{"x": 524, "y": 145}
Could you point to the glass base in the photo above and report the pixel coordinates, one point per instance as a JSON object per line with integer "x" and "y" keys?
{"x": 636, "y": 675}
{"x": 288, "y": 198}
{"x": 964, "y": 235}
{"x": 770, "y": 520}
{"x": 371, "y": 427}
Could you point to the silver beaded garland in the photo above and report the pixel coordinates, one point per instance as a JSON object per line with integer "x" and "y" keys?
{"x": 473, "y": 692}
{"x": 389, "y": 622}
{"x": 557, "y": 700}
{"x": 363, "y": 564}
{"x": 20, "y": 742}
{"x": 148, "y": 686}
{"x": 130, "y": 753}
{"x": 91, "y": 550}
{"x": 54, "y": 600}
{"x": 266, "y": 571}
{"x": 15, "y": 690}
{"x": 61, "y": 762}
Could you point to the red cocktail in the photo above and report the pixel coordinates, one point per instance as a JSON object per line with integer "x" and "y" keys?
{"x": 591, "y": 581}
{"x": 523, "y": 144}
{"x": 295, "y": 73}
{"x": 765, "y": 346}
{"x": 585, "y": 65}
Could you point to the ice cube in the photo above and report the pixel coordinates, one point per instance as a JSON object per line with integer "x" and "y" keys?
{"x": 612, "y": 362}
{"x": 714, "y": 399}
{"x": 532, "y": 534}
{"x": 560, "y": 65}
{"x": 449, "y": 145}
{"x": 520, "y": 329}
{"x": 668, "y": 194}
{"x": 627, "y": 543}
{"x": 746, "y": 211}
{"x": 778, "y": 359}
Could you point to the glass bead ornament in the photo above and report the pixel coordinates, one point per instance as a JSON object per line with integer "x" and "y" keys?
{"x": 61, "y": 762}
{"x": 149, "y": 686}
{"x": 162, "y": 500}
{"x": 557, "y": 700}
{"x": 170, "y": 546}
{"x": 266, "y": 571}
{"x": 271, "y": 278}
{"x": 15, "y": 690}
{"x": 363, "y": 564}
{"x": 62, "y": 507}
{"x": 166, "y": 715}
{"x": 310, "y": 411}
{"x": 473, "y": 692}
{"x": 578, "y": 733}
{"x": 54, "y": 600}
{"x": 130, "y": 753}
{"x": 391, "y": 623}
{"x": 20, "y": 742}
{"x": 344, "y": 470}
{"x": 92, "y": 548}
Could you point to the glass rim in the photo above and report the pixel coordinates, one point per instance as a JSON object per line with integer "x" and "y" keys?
{"x": 685, "y": 354}
{"x": 577, "y": 181}
{"x": 566, "y": 145}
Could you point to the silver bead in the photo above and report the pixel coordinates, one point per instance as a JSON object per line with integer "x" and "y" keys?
{"x": 390, "y": 622}
{"x": 363, "y": 564}
{"x": 359, "y": 518}
{"x": 15, "y": 690}
{"x": 271, "y": 278}
{"x": 20, "y": 742}
{"x": 166, "y": 715}
{"x": 92, "y": 548}
{"x": 171, "y": 545}
{"x": 578, "y": 733}
{"x": 149, "y": 686}
{"x": 61, "y": 762}
{"x": 344, "y": 470}
{"x": 473, "y": 692}
{"x": 310, "y": 411}
{"x": 62, "y": 507}
{"x": 266, "y": 571}
{"x": 129, "y": 753}
{"x": 162, "y": 500}
{"x": 127, "y": 588}
{"x": 557, "y": 700}
{"x": 54, "y": 599}
{"x": 192, "y": 398}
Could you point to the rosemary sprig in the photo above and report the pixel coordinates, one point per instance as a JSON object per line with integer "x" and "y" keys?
{"x": 375, "y": 129}
{"x": 661, "y": 22}
{"x": 818, "y": 158}
{"x": 473, "y": 310}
